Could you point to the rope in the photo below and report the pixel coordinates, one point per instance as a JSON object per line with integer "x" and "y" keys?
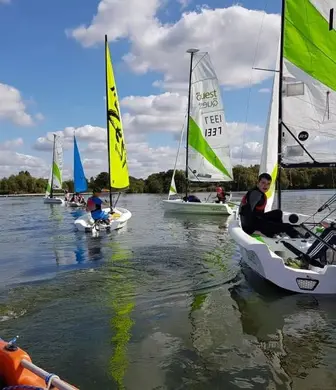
{"x": 49, "y": 379}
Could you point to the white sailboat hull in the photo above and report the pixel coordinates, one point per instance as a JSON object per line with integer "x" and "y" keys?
{"x": 86, "y": 223}
{"x": 53, "y": 201}
{"x": 266, "y": 257}
{"x": 180, "y": 206}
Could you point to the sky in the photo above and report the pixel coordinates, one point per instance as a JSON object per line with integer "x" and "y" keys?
{"x": 52, "y": 77}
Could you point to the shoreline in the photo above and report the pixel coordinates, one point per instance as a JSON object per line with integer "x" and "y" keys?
{"x": 143, "y": 193}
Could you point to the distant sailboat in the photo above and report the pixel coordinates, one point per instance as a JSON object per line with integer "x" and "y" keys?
{"x": 55, "y": 177}
{"x": 117, "y": 159}
{"x": 207, "y": 146}
{"x": 80, "y": 182}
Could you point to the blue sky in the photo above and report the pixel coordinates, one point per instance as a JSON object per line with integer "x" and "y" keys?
{"x": 64, "y": 81}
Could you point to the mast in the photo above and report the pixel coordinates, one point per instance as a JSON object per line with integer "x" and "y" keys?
{"x": 107, "y": 122}
{"x": 191, "y": 52}
{"x": 74, "y": 160}
{"x": 280, "y": 102}
{"x": 52, "y": 168}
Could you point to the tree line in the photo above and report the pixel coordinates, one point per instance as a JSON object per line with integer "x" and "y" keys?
{"x": 157, "y": 183}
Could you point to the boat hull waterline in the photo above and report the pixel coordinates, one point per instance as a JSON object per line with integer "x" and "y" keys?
{"x": 180, "y": 206}
{"x": 53, "y": 201}
{"x": 86, "y": 223}
{"x": 266, "y": 257}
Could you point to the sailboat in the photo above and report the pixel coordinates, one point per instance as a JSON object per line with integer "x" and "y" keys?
{"x": 207, "y": 146}
{"x": 55, "y": 177}
{"x": 301, "y": 126}
{"x": 117, "y": 158}
{"x": 80, "y": 182}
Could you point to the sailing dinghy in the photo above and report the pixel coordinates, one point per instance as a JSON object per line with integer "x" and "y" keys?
{"x": 55, "y": 177}
{"x": 117, "y": 158}
{"x": 300, "y": 134}
{"x": 207, "y": 146}
{"x": 80, "y": 182}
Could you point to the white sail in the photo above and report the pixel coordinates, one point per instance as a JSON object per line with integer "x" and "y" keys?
{"x": 208, "y": 146}
{"x": 172, "y": 188}
{"x": 55, "y": 177}
{"x": 309, "y": 83}
{"x": 269, "y": 154}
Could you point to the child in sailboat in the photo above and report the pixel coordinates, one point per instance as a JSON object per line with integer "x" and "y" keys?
{"x": 94, "y": 205}
{"x": 78, "y": 198}
{"x": 221, "y": 198}
{"x": 253, "y": 216}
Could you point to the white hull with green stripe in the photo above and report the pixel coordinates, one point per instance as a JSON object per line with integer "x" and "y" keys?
{"x": 270, "y": 259}
{"x": 303, "y": 119}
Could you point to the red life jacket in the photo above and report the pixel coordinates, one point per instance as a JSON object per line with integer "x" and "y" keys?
{"x": 261, "y": 205}
{"x": 91, "y": 206}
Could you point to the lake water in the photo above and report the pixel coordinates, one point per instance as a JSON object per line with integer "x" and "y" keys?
{"x": 162, "y": 304}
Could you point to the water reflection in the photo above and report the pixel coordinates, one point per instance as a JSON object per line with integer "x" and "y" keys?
{"x": 120, "y": 291}
{"x": 292, "y": 330}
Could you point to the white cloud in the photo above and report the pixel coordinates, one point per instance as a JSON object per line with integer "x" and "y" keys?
{"x": 264, "y": 90}
{"x": 230, "y": 35}
{"x": 247, "y": 153}
{"x": 5, "y": 1}
{"x": 13, "y": 162}
{"x": 11, "y": 144}
{"x": 163, "y": 113}
{"x": 12, "y": 107}
{"x": 85, "y": 133}
{"x": 155, "y": 113}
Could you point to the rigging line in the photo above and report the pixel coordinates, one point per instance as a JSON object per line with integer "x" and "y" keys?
{"x": 319, "y": 107}
{"x": 199, "y": 60}
{"x": 250, "y": 81}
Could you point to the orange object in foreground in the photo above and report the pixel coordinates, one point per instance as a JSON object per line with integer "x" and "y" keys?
{"x": 16, "y": 368}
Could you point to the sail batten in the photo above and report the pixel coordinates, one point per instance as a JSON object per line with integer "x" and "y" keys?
{"x": 208, "y": 151}
{"x": 80, "y": 182}
{"x": 118, "y": 168}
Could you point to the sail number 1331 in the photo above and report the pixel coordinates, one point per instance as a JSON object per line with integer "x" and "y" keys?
{"x": 215, "y": 130}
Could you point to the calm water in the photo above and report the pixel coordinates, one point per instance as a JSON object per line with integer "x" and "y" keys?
{"x": 163, "y": 304}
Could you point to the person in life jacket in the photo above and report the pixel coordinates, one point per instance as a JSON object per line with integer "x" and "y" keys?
{"x": 220, "y": 194}
{"x": 75, "y": 197}
{"x": 253, "y": 216}
{"x": 94, "y": 205}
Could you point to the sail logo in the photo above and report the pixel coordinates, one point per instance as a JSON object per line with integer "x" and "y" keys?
{"x": 303, "y": 136}
{"x": 207, "y": 99}
{"x": 114, "y": 116}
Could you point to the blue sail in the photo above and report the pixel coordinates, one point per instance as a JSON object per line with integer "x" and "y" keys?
{"x": 80, "y": 182}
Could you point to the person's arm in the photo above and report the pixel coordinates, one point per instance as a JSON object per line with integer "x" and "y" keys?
{"x": 254, "y": 198}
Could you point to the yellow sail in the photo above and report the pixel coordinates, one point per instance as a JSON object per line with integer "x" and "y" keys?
{"x": 119, "y": 177}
